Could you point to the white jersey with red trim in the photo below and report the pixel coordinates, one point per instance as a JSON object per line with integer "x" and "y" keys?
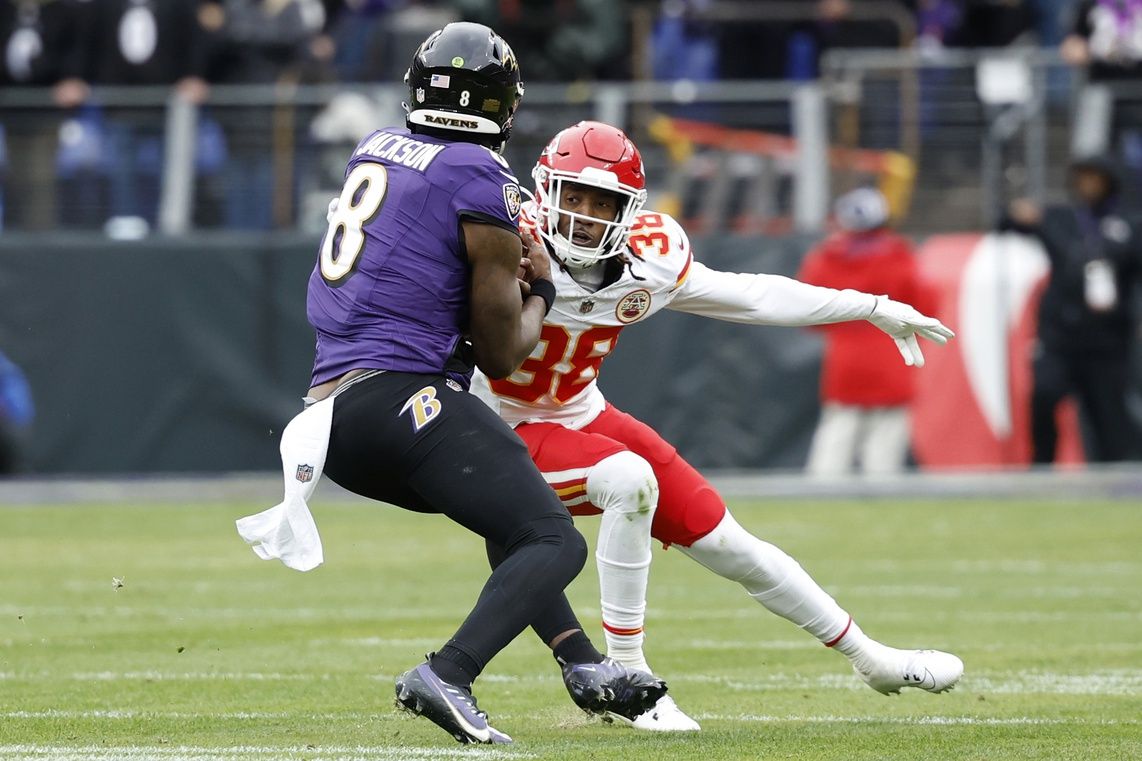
{"x": 557, "y": 383}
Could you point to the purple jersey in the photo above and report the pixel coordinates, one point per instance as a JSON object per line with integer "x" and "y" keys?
{"x": 390, "y": 289}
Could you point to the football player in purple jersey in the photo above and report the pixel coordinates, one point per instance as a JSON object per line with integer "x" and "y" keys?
{"x": 419, "y": 278}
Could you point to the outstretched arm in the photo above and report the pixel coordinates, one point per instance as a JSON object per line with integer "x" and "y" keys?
{"x": 763, "y": 299}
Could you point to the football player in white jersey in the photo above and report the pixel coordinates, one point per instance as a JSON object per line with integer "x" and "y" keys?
{"x": 620, "y": 265}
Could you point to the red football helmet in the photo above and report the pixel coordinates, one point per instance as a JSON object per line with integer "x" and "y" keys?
{"x": 600, "y": 156}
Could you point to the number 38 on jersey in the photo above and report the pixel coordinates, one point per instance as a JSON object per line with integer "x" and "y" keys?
{"x": 560, "y": 367}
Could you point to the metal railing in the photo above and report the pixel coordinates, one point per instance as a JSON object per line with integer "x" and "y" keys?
{"x": 263, "y": 157}
{"x": 294, "y": 141}
{"x": 738, "y": 11}
{"x": 977, "y": 136}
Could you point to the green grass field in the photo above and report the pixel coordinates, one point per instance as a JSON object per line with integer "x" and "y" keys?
{"x": 206, "y": 652}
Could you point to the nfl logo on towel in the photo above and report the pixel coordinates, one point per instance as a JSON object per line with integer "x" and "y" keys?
{"x": 305, "y": 473}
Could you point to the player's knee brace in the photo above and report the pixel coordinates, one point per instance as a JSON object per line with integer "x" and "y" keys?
{"x": 623, "y": 482}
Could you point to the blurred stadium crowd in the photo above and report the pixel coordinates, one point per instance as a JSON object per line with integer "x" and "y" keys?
{"x": 72, "y": 46}
{"x": 269, "y": 96}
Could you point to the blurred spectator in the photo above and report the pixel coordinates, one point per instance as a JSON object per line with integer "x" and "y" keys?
{"x": 1107, "y": 36}
{"x": 560, "y": 41}
{"x": 147, "y": 42}
{"x": 39, "y": 40}
{"x": 1086, "y": 324}
{"x": 994, "y": 23}
{"x": 16, "y": 413}
{"x": 265, "y": 41}
{"x": 753, "y": 49}
{"x": 976, "y": 23}
{"x": 139, "y": 42}
{"x": 761, "y": 48}
{"x": 1053, "y": 20}
{"x": 683, "y": 47}
{"x": 865, "y": 388}
{"x": 836, "y": 27}
{"x": 262, "y": 42}
{"x": 358, "y": 41}
{"x": 938, "y": 22}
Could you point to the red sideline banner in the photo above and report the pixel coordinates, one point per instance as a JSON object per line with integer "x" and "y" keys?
{"x": 973, "y": 397}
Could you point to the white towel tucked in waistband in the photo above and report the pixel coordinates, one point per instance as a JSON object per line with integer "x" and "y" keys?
{"x": 287, "y": 531}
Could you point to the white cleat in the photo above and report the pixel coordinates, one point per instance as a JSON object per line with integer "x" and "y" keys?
{"x": 665, "y": 716}
{"x": 892, "y": 669}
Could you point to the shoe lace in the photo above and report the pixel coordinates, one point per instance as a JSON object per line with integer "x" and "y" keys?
{"x": 470, "y": 699}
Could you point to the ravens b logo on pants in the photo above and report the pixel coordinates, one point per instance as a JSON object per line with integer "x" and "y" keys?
{"x": 425, "y": 407}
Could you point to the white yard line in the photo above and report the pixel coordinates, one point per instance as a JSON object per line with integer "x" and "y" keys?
{"x": 197, "y": 612}
{"x": 660, "y": 615}
{"x": 808, "y": 643}
{"x": 664, "y": 617}
{"x": 1016, "y": 616}
{"x": 1112, "y": 682}
{"x": 166, "y": 676}
{"x": 1014, "y": 592}
{"x": 1104, "y": 682}
{"x": 943, "y": 592}
{"x": 56, "y": 713}
{"x": 1057, "y": 649}
{"x": 742, "y": 717}
{"x": 1069, "y": 568}
{"x": 250, "y": 753}
{"x": 910, "y": 720}
{"x": 991, "y": 567}
{"x": 401, "y": 642}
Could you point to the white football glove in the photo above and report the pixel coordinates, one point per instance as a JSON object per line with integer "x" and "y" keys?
{"x": 904, "y": 323}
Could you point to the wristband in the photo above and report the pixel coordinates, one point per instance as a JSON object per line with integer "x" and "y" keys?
{"x": 544, "y": 289}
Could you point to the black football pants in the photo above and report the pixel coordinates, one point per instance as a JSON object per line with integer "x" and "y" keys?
{"x": 421, "y": 443}
{"x": 1099, "y": 381}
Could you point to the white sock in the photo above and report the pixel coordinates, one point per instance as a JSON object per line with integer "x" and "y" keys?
{"x": 857, "y": 646}
{"x": 778, "y": 582}
{"x": 623, "y": 486}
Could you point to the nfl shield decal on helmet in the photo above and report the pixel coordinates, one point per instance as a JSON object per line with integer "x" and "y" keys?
{"x": 513, "y": 200}
{"x": 305, "y": 473}
{"x": 633, "y": 306}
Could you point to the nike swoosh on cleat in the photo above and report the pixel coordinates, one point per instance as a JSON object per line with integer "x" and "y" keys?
{"x": 481, "y": 735}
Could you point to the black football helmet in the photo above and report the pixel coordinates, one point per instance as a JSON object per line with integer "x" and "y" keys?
{"x": 464, "y": 78}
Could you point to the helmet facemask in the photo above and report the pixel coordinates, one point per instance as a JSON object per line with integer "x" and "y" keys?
{"x": 550, "y": 184}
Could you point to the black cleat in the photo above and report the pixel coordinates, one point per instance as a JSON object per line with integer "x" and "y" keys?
{"x": 610, "y": 687}
{"x": 449, "y": 707}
